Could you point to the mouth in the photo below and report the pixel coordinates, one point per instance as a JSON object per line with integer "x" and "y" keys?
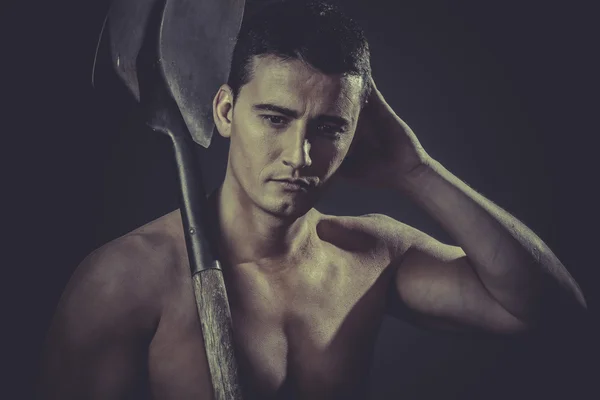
{"x": 293, "y": 185}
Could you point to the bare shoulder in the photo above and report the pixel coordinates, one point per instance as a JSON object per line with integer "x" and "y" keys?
{"x": 108, "y": 314}
{"x": 368, "y": 232}
{"x": 154, "y": 246}
{"x": 151, "y": 247}
{"x": 133, "y": 270}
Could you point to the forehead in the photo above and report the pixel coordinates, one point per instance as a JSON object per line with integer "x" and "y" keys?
{"x": 294, "y": 84}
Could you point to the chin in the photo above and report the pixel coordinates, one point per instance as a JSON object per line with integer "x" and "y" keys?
{"x": 287, "y": 206}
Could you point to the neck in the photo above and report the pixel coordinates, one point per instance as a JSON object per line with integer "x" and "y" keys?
{"x": 249, "y": 234}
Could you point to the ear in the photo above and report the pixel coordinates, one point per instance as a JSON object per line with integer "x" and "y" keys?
{"x": 223, "y": 110}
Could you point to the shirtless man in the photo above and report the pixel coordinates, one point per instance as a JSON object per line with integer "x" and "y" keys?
{"x": 307, "y": 291}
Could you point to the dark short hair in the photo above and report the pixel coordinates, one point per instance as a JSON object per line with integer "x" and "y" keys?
{"x": 314, "y": 32}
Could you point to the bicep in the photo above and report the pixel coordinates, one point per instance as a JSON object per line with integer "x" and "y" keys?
{"x": 436, "y": 286}
{"x": 99, "y": 335}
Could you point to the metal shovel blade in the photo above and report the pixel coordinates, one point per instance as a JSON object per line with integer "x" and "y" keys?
{"x": 196, "y": 40}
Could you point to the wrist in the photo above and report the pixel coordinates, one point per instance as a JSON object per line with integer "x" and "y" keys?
{"x": 415, "y": 180}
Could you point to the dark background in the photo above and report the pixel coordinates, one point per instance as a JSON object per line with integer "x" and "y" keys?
{"x": 504, "y": 94}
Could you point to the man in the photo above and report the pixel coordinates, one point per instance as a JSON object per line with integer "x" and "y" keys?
{"x": 307, "y": 290}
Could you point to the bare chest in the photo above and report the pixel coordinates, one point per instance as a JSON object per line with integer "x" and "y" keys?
{"x": 306, "y": 334}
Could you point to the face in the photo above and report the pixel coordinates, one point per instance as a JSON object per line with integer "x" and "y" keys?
{"x": 290, "y": 121}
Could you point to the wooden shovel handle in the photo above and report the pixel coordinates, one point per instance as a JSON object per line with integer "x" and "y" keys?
{"x": 201, "y": 243}
{"x": 215, "y": 318}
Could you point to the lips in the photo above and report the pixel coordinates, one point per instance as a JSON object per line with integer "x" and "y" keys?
{"x": 294, "y": 183}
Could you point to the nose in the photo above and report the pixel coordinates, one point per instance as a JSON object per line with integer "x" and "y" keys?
{"x": 297, "y": 151}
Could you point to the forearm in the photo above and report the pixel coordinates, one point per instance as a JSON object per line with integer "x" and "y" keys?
{"x": 514, "y": 264}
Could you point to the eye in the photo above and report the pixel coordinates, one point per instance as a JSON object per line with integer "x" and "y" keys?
{"x": 274, "y": 120}
{"x": 331, "y": 131}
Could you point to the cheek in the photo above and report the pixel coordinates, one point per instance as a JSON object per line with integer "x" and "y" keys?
{"x": 251, "y": 150}
{"x": 327, "y": 155}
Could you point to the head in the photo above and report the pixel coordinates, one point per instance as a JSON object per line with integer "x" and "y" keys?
{"x": 299, "y": 78}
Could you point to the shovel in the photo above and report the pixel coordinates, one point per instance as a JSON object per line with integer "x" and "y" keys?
{"x": 173, "y": 55}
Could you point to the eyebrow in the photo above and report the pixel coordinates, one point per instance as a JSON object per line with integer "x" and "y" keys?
{"x": 288, "y": 112}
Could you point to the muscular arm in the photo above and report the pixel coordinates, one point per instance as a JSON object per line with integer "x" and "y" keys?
{"x": 97, "y": 344}
{"x": 501, "y": 277}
